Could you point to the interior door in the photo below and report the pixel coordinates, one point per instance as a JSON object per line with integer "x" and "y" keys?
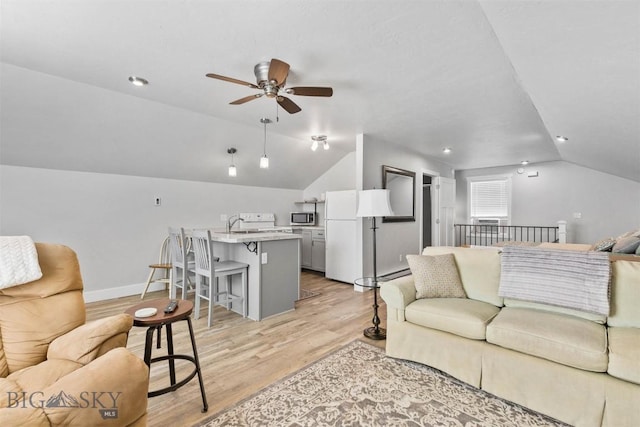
{"x": 444, "y": 204}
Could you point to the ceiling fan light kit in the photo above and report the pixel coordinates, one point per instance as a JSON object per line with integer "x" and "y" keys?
{"x": 271, "y": 77}
{"x": 317, "y": 140}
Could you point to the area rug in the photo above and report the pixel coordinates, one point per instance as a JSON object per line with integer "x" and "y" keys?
{"x": 359, "y": 385}
{"x": 306, "y": 294}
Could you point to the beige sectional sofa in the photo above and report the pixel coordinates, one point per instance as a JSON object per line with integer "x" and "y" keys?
{"x": 578, "y": 367}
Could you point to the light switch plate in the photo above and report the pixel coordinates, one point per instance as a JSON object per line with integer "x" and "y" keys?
{"x": 263, "y": 258}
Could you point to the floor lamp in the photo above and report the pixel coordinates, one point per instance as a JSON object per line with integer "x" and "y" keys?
{"x": 372, "y": 204}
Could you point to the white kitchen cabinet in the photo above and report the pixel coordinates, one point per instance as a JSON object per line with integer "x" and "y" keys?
{"x": 312, "y": 248}
{"x": 317, "y": 255}
{"x": 306, "y": 257}
{"x": 317, "y": 250}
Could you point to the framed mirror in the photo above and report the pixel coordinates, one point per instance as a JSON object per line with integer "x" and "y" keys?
{"x": 402, "y": 193}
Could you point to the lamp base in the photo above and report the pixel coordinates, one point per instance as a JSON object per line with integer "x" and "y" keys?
{"x": 381, "y": 334}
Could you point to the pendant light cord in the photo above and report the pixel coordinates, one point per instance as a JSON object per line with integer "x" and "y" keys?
{"x": 264, "y": 147}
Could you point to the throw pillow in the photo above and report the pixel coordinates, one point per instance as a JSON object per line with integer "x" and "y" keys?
{"x": 626, "y": 245}
{"x": 604, "y": 245}
{"x": 436, "y": 276}
{"x": 634, "y": 233}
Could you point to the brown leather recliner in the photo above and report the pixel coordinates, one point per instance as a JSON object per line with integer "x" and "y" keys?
{"x": 55, "y": 369}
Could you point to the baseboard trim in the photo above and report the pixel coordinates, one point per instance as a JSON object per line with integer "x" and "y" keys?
{"x": 121, "y": 291}
{"x": 396, "y": 274}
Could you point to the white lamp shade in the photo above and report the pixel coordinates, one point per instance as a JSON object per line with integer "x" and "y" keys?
{"x": 373, "y": 203}
{"x": 233, "y": 171}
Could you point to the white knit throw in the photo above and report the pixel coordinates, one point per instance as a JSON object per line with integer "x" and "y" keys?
{"x": 18, "y": 261}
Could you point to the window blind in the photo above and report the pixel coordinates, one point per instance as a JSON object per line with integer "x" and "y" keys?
{"x": 489, "y": 198}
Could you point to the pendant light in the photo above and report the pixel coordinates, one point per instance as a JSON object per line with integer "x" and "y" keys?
{"x": 232, "y": 167}
{"x": 264, "y": 160}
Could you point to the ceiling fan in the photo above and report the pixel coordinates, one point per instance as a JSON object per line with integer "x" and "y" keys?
{"x": 271, "y": 77}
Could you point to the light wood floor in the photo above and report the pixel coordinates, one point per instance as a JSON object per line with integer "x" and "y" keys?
{"x": 240, "y": 356}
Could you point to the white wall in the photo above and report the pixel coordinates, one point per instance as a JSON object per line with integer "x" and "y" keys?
{"x": 394, "y": 239}
{"x": 609, "y": 205}
{"x": 341, "y": 176}
{"x": 111, "y": 221}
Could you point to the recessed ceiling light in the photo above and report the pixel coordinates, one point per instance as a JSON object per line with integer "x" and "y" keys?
{"x": 138, "y": 81}
{"x": 560, "y": 138}
{"x": 446, "y": 150}
{"x": 524, "y": 162}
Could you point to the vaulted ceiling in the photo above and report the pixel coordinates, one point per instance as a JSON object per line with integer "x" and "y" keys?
{"x": 496, "y": 81}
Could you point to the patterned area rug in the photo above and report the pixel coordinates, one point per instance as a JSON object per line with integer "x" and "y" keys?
{"x": 305, "y": 294}
{"x": 359, "y": 385}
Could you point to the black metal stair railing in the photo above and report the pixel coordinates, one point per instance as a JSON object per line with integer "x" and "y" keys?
{"x": 488, "y": 235}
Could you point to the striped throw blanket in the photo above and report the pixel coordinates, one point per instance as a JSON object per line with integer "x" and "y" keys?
{"x": 572, "y": 279}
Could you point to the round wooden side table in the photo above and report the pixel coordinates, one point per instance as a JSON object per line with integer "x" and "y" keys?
{"x": 155, "y": 323}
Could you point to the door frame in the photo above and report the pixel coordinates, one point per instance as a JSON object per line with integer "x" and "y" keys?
{"x": 434, "y": 212}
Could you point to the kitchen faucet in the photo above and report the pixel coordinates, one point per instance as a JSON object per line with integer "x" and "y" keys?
{"x": 231, "y": 223}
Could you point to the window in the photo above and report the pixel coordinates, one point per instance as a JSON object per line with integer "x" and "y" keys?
{"x": 489, "y": 199}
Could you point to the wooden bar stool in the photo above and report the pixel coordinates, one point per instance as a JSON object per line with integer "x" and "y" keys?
{"x": 164, "y": 265}
{"x": 155, "y": 323}
{"x": 181, "y": 261}
{"x": 209, "y": 271}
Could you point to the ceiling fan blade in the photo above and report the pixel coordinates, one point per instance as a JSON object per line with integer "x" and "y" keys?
{"x": 232, "y": 80}
{"x": 289, "y": 106}
{"x": 310, "y": 91}
{"x": 246, "y": 99}
{"x": 278, "y": 71}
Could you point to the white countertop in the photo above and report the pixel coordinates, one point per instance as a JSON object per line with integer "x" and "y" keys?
{"x": 258, "y": 236}
{"x": 307, "y": 227}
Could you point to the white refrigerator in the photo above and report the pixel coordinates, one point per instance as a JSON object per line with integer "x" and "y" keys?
{"x": 342, "y": 239}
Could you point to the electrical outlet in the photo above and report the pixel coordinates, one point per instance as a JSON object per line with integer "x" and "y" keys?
{"x": 157, "y": 201}
{"x": 223, "y": 217}
{"x": 400, "y": 257}
{"x": 577, "y": 215}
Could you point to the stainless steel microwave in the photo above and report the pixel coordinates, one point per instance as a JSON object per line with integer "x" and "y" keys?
{"x": 302, "y": 218}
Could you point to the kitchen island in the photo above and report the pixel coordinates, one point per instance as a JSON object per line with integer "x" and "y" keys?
{"x": 274, "y": 268}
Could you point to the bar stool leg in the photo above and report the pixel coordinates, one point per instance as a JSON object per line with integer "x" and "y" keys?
{"x": 205, "y": 405}
{"x": 146, "y": 286}
{"x": 147, "y": 346}
{"x": 245, "y": 284}
{"x": 172, "y": 363}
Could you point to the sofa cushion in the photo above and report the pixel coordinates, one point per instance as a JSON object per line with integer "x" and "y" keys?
{"x": 624, "y": 354}
{"x": 564, "y": 339}
{"x": 464, "y": 317}
{"x": 435, "y": 276}
{"x": 479, "y": 270}
{"x": 625, "y": 294}
{"x": 37, "y": 377}
{"x": 594, "y": 317}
